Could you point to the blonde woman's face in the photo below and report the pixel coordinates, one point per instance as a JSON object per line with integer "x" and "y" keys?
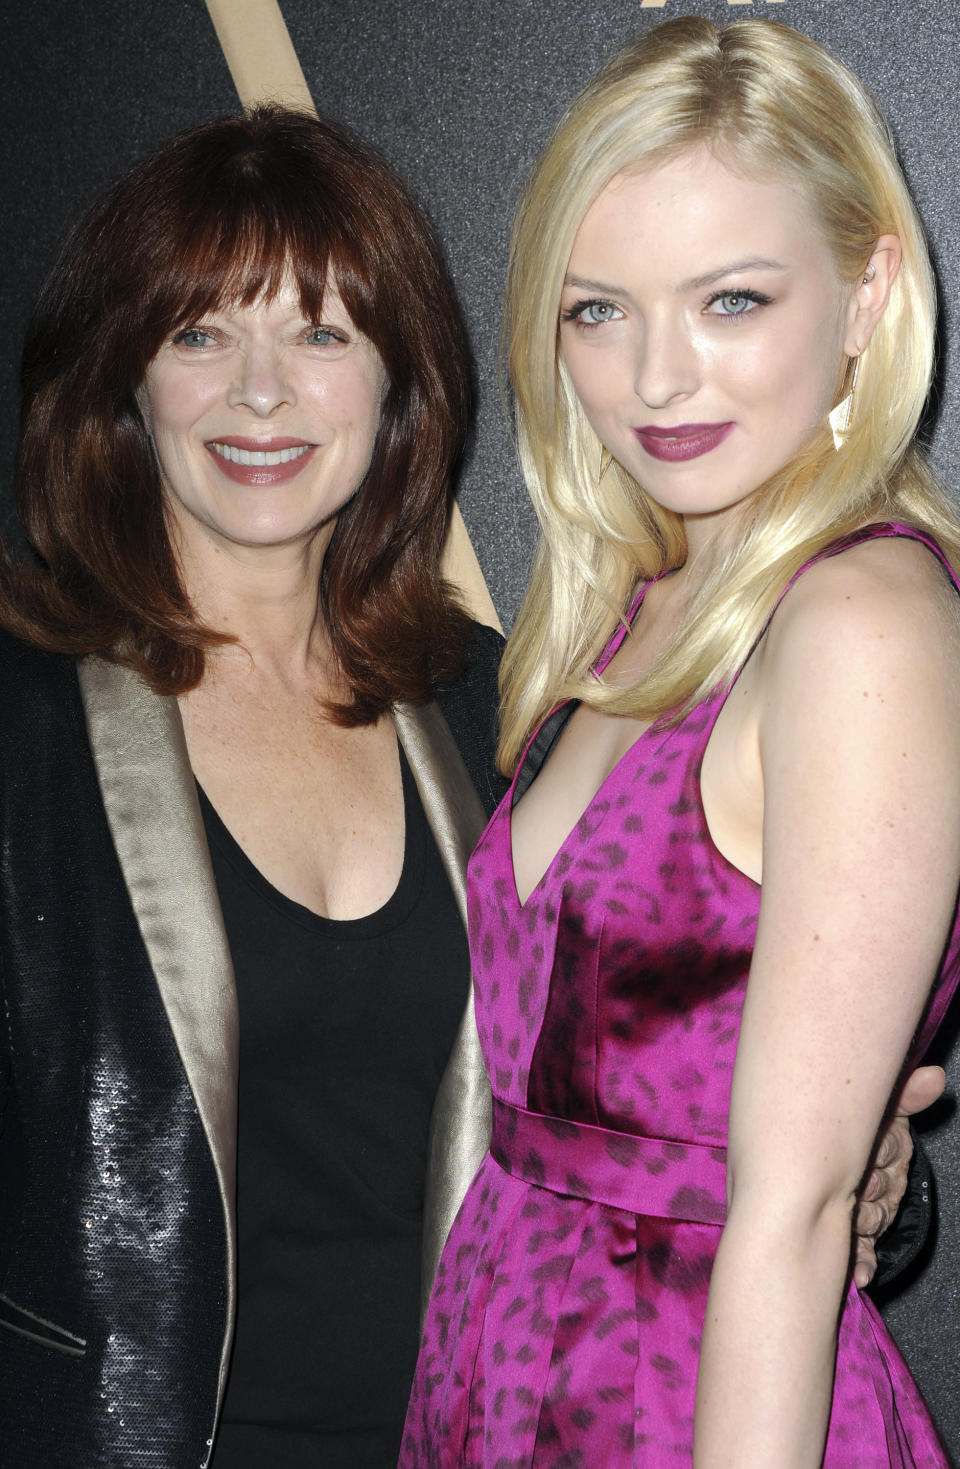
{"x": 704, "y": 328}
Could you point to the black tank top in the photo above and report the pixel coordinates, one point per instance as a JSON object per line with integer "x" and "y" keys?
{"x": 345, "y": 1028}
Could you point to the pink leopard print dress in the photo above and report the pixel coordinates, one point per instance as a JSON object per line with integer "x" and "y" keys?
{"x": 565, "y": 1321}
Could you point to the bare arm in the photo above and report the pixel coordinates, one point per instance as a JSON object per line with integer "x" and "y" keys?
{"x": 860, "y": 758}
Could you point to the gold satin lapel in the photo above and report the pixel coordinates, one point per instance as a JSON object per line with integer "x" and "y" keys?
{"x": 151, "y": 804}
{"x": 460, "y": 1127}
{"x": 452, "y": 806}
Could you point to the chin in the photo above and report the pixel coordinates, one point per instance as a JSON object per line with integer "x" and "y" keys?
{"x": 275, "y": 535}
{"x": 712, "y": 500}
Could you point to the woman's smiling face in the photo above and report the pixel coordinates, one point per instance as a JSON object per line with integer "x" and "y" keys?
{"x": 263, "y": 422}
{"x": 704, "y": 328}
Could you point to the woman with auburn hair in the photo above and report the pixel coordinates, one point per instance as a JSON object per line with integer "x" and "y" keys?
{"x": 233, "y": 817}
{"x": 715, "y": 918}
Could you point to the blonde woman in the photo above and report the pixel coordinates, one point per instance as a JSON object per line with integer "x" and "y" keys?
{"x": 711, "y": 933}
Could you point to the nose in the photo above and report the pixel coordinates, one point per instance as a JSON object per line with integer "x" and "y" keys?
{"x": 262, "y": 383}
{"x": 667, "y": 365}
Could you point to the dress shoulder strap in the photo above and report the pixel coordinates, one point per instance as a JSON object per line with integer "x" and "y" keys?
{"x": 880, "y": 530}
{"x": 626, "y": 622}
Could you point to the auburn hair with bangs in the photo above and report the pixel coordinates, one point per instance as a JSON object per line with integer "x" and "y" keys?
{"x": 221, "y": 216}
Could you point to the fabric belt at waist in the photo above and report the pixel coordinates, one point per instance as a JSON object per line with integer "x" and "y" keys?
{"x": 646, "y": 1175}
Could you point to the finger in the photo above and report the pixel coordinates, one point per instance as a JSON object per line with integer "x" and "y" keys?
{"x": 876, "y": 1187}
{"x": 895, "y": 1144}
{"x": 921, "y": 1089}
{"x": 871, "y": 1219}
{"x": 886, "y": 1186}
{"x": 865, "y": 1264}
{"x": 892, "y": 1196}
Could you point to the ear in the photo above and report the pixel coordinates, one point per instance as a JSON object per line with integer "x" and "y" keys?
{"x": 871, "y": 293}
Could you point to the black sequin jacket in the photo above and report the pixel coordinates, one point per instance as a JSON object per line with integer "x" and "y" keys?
{"x": 118, "y": 1060}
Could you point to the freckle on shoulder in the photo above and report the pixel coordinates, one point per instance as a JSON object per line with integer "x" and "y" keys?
{"x": 882, "y": 590}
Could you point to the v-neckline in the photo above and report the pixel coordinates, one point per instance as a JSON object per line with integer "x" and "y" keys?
{"x": 584, "y": 814}
{"x": 606, "y": 657}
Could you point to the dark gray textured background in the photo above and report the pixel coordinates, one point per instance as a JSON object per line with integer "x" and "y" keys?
{"x": 461, "y": 95}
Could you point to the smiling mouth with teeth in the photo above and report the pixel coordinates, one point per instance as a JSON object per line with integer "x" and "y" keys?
{"x": 260, "y": 457}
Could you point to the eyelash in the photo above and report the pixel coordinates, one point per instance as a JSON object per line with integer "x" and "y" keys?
{"x": 328, "y": 331}
{"x": 757, "y": 297}
{"x": 575, "y": 313}
{"x": 180, "y": 339}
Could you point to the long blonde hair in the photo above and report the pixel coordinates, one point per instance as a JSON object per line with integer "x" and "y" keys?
{"x": 772, "y": 102}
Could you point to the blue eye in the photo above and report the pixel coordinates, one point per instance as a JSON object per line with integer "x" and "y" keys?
{"x": 736, "y": 303}
{"x": 323, "y": 336}
{"x": 592, "y": 313}
{"x": 597, "y": 312}
{"x": 193, "y": 336}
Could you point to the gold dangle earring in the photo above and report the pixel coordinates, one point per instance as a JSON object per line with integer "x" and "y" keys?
{"x": 606, "y": 459}
{"x": 841, "y": 417}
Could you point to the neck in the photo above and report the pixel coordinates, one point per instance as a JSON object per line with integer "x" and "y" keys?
{"x": 264, "y": 597}
{"x": 707, "y": 537}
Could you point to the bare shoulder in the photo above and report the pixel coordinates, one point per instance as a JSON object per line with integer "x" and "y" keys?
{"x": 886, "y": 604}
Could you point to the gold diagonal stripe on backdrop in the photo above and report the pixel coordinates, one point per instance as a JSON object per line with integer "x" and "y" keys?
{"x": 259, "y": 52}
{"x": 264, "y": 66}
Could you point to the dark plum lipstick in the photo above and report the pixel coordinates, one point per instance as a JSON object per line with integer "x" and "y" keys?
{"x": 685, "y": 441}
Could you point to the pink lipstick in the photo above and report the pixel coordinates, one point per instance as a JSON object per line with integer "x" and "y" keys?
{"x": 260, "y": 461}
{"x": 684, "y": 441}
